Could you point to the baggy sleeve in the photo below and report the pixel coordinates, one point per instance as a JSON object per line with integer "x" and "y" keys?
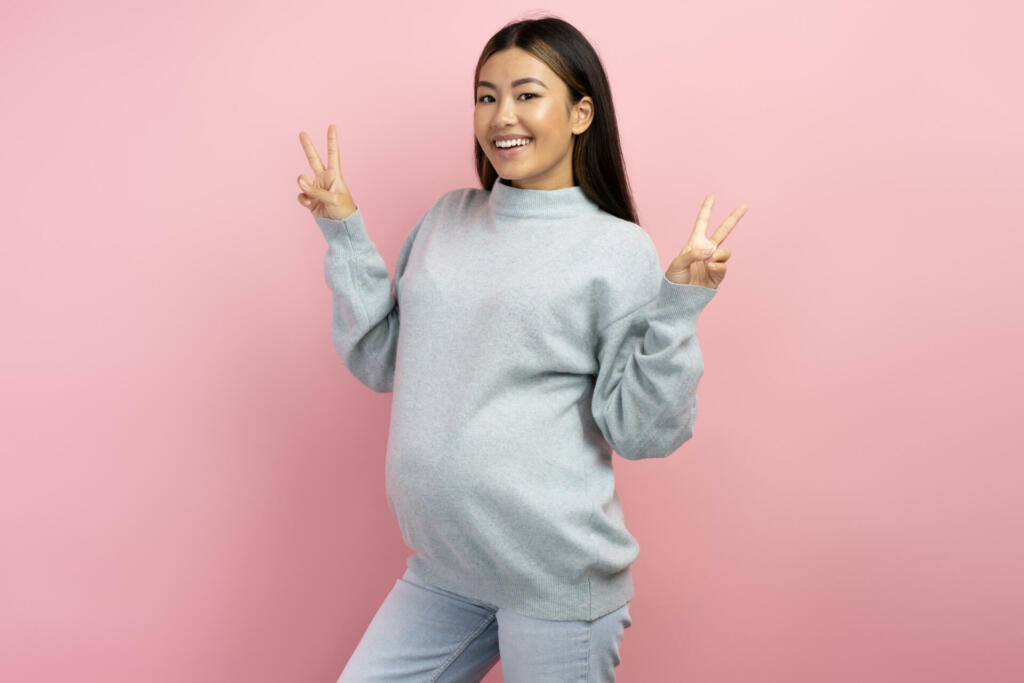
{"x": 364, "y": 316}
{"x": 645, "y": 392}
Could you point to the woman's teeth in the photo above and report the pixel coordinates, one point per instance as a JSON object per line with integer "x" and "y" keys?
{"x": 505, "y": 144}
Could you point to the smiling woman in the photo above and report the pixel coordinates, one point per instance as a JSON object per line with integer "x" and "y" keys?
{"x": 528, "y": 333}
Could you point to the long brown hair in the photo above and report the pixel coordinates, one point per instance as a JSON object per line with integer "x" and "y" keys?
{"x": 597, "y": 156}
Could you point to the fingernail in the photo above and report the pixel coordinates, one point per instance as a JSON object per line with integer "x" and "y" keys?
{"x": 303, "y": 184}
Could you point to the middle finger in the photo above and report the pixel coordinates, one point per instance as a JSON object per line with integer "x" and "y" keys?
{"x": 726, "y": 227}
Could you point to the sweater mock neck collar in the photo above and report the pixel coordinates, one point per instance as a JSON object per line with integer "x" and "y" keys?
{"x": 508, "y": 200}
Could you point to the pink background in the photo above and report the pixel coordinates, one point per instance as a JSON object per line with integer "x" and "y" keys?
{"x": 192, "y": 484}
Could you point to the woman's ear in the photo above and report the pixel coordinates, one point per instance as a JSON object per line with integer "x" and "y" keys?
{"x": 582, "y": 115}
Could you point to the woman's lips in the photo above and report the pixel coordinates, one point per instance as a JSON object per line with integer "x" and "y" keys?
{"x": 509, "y": 152}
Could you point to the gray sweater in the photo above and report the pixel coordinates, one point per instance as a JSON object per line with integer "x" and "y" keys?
{"x": 526, "y": 334}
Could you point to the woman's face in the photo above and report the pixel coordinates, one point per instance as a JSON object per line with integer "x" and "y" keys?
{"x": 519, "y": 96}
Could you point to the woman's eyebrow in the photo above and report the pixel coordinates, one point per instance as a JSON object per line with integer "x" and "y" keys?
{"x": 518, "y": 81}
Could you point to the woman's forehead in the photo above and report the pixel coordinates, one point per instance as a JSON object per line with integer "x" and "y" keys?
{"x": 514, "y": 63}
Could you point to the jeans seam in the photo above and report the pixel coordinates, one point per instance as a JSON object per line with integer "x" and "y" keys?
{"x": 586, "y": 676}
{"x": 462, "y": 647}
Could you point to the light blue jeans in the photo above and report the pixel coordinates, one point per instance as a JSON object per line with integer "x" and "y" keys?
{"x": 422, "y": 633}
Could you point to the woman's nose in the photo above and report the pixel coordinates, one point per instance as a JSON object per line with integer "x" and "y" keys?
{"x": 506, "y": 116}
{"x": 506, "y": 111}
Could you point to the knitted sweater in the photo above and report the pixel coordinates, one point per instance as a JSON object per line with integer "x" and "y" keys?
{"x": 526, "y": 334}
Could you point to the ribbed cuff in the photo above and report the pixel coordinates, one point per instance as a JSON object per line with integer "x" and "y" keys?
{"x": 332, "y": 229}
{"x": 686, "y": 300}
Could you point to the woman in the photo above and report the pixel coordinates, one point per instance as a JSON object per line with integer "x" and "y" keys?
{"x": 528, "y": 332}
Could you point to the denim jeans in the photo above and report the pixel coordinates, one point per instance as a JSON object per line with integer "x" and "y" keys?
{"x": 422, "y": 633}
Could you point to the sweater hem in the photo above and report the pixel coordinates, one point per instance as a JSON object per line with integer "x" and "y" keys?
{"x": 589, "y": 599}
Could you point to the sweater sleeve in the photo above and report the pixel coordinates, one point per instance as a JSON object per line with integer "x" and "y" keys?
{"x": 364, "y": 317}
{"x": 645, "y": 393}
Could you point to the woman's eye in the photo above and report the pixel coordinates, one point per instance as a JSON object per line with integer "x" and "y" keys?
{"x": 481, "y": 98}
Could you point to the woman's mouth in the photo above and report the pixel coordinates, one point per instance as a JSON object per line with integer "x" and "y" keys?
{"x": 509, "y": 152}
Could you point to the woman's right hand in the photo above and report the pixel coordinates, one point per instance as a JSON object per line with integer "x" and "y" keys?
{"x": 326, "y": 195}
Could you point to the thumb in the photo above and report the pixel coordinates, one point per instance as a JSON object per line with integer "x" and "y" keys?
{"x": 692, "y": 254}
{"x": 316, "y": 192}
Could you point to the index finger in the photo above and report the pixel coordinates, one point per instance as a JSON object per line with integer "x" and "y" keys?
{"x": 728, "y": 224}
{"x": 332, "y": 147}
{"x": 311, "y": 155}
{"x": 700, "y": 228}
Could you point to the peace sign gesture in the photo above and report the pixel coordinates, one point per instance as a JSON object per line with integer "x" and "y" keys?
{"x": 326, "y": 195}
{"x": 702, "y": 262}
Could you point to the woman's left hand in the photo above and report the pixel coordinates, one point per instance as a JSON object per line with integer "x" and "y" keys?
{"x": 692, "y": 266}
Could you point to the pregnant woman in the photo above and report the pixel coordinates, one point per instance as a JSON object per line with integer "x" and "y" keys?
{"x": 528, "y": 333}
